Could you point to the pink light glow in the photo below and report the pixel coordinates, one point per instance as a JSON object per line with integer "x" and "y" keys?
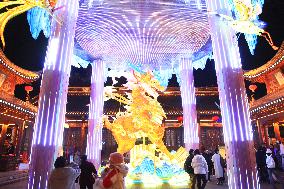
{"x": 50, "y": 119}
{"x": 94, "y": 145}
{"x": 191, "y": 139}
{"x": 241, "y": 168}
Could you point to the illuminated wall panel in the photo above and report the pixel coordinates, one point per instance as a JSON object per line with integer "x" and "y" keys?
{"x": 233, "y": 101}
{"x": 191, "y": 139}
{"x": 94, "y": 144}
{"x": 48, "y": 130}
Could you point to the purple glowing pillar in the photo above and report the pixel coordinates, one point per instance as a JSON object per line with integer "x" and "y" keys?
{"x": 94, "y": 138}
{"x": 191, "y": 139}
{"x": 236, "y": 121}
{"x": 48, "y": 130}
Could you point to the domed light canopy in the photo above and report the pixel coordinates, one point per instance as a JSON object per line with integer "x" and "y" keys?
{"x": 148, "y": 34}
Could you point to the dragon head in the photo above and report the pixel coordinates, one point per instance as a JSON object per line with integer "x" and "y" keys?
{"x": 149, "y": 83}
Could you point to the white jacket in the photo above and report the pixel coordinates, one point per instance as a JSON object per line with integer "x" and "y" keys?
{"x": 199, "y": 165}
{"x": 62, "y": 178}
{"x": 216, "y": 158}
{"x": 281, "y": 149}
{"x": 270, "y": 163}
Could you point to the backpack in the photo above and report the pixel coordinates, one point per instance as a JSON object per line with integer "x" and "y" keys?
{"x": 187, "y": 165}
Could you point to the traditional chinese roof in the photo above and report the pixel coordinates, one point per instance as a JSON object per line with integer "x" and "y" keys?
{"x": 257, "y": 75}
{"x": 206, "y": 98}
{"x": 13, "y": 108}
{"x": 22, "y": 75}
{"x": 171, "y": 91}
{"x": 270, "y": 106}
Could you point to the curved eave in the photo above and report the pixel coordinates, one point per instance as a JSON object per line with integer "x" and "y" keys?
{"x": 257, "y": 75}
{"x": 25, "y": 76}
{"x": 13, "y": 108}
{"x": 270, "y": 106}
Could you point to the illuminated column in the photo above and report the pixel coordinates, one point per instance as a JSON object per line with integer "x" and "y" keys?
{"x": 191, "y": 139}
{"x": 240, "y": 154}
{"x": 94, "y": 142}
{"x": 50, "y": 118}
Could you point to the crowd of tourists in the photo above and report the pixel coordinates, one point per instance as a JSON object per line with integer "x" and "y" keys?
{"x": 66, "y": 177}
{"x": 270, "y": 163}
{"x": 201, "y": 164}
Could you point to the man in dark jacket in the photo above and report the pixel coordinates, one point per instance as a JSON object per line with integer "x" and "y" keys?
{"x": 189, "y": 169}
{"x": 208, "y": 157}
{"x": 261, "y": 164}
{"x": 86, "y": 178}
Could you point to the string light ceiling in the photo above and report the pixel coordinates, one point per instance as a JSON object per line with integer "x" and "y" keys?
{"x": 148, "y": 34}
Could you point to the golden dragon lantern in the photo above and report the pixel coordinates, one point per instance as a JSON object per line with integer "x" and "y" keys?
{"x": 143, "y": 117}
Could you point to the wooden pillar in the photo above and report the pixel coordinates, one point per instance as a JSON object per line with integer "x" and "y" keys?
{"x": 83, "y": 136}
{"x": 260, "y": 133}
{"x": 277, "y": 131}
{"x": 19, "y": 141}
{"x": 3, "y": 137}
{"x": 267, "y": 142}
{"x": 29, "y": 131}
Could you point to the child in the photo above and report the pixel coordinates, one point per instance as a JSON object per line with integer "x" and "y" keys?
{"x": 114, "y": 176}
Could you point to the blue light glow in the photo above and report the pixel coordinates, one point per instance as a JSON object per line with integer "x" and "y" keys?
{"x": 163, "y": 170}
{"x": 39, "y": 20}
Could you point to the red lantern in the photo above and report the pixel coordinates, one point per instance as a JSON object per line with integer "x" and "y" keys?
{"x": 29, "y": 88}
{"x": 215, "y": 118}
{"x": 252, "y": 88}
{"x": 180, "y": 119}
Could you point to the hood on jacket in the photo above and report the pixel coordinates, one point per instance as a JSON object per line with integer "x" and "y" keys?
{"x": 62, "y": 173}
{"x": 199, "y": 158}
{"x": 123, "y": 169}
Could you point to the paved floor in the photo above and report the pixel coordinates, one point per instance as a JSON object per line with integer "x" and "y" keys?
{"x": 210, "y": 185}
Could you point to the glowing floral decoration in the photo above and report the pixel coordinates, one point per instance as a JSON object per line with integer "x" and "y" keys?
{"x": 38, "y": 15}
{"x": 245, "y": 20}
{"x": 39, "y": 20}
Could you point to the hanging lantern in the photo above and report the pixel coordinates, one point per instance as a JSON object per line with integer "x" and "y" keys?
{"x": 180, "y": 119}
{"x": 28, "y": 88}
{"x": 252, "y": 88}
{"x": 215, "y": 118}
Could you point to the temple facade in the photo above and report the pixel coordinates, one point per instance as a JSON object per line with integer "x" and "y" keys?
{"x": 268, "y": 112}
{"x": 16, "y": 116}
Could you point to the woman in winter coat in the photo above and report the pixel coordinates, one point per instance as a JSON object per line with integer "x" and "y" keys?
{"x": 62, "y": 177}
{"x": 219, "y": 173}
{"x": 270, "y": 164}
{"x": 115, "y": 174}
{"x": 200, "y": 167}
